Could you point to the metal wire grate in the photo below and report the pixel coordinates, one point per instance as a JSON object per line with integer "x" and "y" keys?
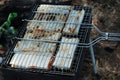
{"x": 43, "y": 45}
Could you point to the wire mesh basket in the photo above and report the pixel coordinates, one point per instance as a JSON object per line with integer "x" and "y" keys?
{"x": 50, "y": 42}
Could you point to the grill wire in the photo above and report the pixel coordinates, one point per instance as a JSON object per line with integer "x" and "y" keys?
{"x": 35, "y": 50}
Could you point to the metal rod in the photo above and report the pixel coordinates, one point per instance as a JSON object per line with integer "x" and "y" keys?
{"x": 51, "y": 12}
{"x": 86, "y": 45}
{"x": 98, "y": 30}
{"x": 49, "y": 41}
{"x": 93, "y": 59}
{"x": 38, "y": 21}
{"x": 56, "y": 12}
{"x": 113, "y": 39}
{"x": 114, "y": 34}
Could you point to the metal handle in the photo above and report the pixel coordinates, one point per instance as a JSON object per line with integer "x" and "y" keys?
{"x": 105, "y": 36}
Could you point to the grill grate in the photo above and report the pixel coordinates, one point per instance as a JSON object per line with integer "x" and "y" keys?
{"x": 48, "y": 44}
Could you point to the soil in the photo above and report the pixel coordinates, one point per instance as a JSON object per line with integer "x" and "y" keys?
{"x": 106, "y": 16}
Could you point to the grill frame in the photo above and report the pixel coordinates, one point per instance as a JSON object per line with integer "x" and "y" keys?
{"x": 84, "y": 29}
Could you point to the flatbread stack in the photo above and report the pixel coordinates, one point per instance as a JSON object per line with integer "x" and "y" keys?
{"x": 65, "y": 53}
{"x": 42, "y": 35}
{"x": 30, "y": 60}
{"x": 74, "y": 17}
{"x": 54, "y": 8}
{"x": 52, "y": 13}
{"x": 35, "y": 47}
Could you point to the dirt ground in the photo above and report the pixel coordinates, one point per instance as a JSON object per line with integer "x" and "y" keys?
{"x": 106, "y": 16}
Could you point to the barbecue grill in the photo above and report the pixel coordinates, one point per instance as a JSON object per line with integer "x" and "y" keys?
{"x": 70, "y": 68}
{"x": 74, "y": 43}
